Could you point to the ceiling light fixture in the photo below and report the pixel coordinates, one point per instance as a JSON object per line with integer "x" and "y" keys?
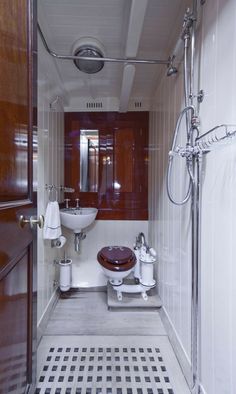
{"x": 88, "y": 47}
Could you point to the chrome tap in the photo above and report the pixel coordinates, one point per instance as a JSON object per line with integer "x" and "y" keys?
{"x": 77, "y": 200}
{"x": 67, "y": 202}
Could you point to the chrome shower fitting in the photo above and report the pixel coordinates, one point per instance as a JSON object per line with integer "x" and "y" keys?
{"x": 187, "y": 155}
{"x": 188, "y": 23}
{"x": 140, "y": 241}
{"x": 171, "y": 69}
{"x": 192, "y": 154}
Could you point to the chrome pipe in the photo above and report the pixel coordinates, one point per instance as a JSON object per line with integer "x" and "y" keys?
{"x": 195, "y": 227}
{"x": 194, "y": 286}
{"x": 170, "y": 162}
{"x": 104, "y": 59}
{"x": 178, "y": 123}
{"x": 193, "y": 34}
{"x": 186, "y": 87}
{"x": 196, "y": 279}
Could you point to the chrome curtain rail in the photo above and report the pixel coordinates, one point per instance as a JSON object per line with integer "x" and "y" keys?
{"x": 104, "y": 59}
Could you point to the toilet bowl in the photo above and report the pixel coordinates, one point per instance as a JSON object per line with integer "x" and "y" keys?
{"x": 116, "y": 262}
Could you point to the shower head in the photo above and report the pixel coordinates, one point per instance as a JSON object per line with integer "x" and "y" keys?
{"x": 88, "y": 47}
{"x": 171, "y": 69}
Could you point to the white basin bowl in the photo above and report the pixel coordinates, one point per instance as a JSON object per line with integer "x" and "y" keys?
{"x": 77, "y": 219}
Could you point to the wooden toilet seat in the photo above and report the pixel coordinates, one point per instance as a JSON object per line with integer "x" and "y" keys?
{"x": 116, "y": 258}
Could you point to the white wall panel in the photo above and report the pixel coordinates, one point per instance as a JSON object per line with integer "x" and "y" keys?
{"x": 170, "y": 226}
{"x": 50, "y": 169}
{"x": 86, "y": 271}
{"x": 218, "y": 201}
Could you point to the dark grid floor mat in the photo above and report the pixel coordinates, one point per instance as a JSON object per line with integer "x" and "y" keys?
{"x": 104, "y": 370}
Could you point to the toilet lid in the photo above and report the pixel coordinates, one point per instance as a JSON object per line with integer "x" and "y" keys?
{"x": 116, "y": 254}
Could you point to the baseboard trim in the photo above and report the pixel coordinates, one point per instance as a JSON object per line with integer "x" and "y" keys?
{"x": 177, "y": 345}
{"x": 74, "y": 290}
{"x": 46, "y": 315}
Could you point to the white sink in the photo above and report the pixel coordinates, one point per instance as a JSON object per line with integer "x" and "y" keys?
{"x": 77, "y": 219}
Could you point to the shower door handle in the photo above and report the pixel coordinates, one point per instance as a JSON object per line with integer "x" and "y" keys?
{"x": 32, "y": 221}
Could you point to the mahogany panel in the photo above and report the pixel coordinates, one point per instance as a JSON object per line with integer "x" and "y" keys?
{"x": 14, "y": 100}
{"x": 14, "y": 328}
{"x": 123, "y": 163}
{"x": 17, "y": 292}
{"x": 124, "y": 160}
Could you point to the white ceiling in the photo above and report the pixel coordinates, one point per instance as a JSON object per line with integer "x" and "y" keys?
{"x": 65, "y": 21}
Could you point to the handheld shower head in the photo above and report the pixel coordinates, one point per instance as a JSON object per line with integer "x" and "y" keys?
{"x": 171, "y": 69}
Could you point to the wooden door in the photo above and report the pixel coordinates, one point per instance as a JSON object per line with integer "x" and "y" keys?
{"x": 17, "y": 109}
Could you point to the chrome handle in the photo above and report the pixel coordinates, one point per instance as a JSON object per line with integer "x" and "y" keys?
{"x": 67, "y": 202}
{"x": 77, "y": 200}
{"x": 32, "y": 221}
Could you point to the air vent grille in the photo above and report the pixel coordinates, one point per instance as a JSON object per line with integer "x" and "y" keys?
{"x": 92, "y": 105}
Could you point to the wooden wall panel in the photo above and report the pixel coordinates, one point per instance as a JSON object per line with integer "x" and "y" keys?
{"x": 14, "y": 328}
{"x": 123, "y": 163}
{"x": 13, "y": 101}
{"x": 18, "y": 93}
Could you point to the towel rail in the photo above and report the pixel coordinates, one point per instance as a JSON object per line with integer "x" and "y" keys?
{"x": 60, "y": 188}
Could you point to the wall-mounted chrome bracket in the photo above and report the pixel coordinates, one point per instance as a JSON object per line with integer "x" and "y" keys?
{"x": 200, "y": 96}
{"x": 55, "y": 243}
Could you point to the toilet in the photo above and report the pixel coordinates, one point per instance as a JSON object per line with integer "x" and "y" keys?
{"x": 117, "y": 262}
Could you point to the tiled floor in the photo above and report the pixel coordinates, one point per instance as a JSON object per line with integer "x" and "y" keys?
{"x": 90, "y": 350}
{"x": 115, "y": 365}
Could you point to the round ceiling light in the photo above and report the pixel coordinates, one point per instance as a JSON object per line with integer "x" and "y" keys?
{"x": 89, "y": 47}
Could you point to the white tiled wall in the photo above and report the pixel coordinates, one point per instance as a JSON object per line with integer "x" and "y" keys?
{"x": 50, "y": 169}
{"x": 170, "y": 225}
{"x": 86, "y": 271}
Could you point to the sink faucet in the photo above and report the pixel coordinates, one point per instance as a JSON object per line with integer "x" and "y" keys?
{"x": 77, "y": 203}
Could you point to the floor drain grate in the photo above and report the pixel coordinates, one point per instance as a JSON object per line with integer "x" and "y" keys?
{"x": 105, "y": 370}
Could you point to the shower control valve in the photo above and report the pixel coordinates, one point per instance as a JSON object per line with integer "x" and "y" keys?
{"x": 186, "y": 152}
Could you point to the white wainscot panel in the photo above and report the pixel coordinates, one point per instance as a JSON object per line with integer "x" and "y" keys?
{"x": 86, "y": 271}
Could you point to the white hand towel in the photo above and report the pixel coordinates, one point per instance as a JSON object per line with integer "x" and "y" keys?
{"x": 52, "y": 226}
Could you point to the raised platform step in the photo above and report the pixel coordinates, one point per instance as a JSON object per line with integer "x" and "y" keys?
{"x": 132, "y": 300}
